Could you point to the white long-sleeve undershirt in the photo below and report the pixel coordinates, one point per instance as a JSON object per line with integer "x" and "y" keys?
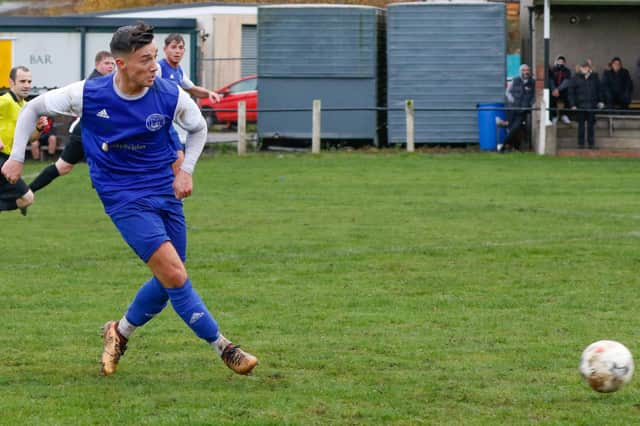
{"x": 68, "y": 101}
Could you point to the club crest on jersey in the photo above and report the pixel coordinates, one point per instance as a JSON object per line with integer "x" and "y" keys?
{"x": 155, "y": 122}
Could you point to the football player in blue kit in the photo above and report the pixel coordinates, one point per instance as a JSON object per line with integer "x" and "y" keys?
{"x": 126, "y": 120}
{"x": 169, "y": 68}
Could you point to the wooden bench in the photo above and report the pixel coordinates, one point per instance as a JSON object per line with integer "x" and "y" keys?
{"x": 44, "y": 154}
{"x": 612, "y": 118}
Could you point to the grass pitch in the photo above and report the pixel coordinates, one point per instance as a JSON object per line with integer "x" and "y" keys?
{"x": 375, "y": 289}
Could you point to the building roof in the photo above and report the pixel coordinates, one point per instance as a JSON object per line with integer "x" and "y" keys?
{"x": 183, "y": 10}
{"x": 42, "y": 23}
{"x": 589, "y": 2}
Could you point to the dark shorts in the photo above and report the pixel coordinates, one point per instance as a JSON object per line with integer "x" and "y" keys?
{"x": 43, "y": 139}
{"x": 10, "y": 192}
{"x": 73, "y": 152}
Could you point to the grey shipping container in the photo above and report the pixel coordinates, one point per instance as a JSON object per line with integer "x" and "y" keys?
{"x": 329, "y": 52}
{"x": 444, "y": 55}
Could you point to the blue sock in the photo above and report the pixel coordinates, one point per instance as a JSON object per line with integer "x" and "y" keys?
{"x": 193, "y": 312}
{"x": 149, "y": 302}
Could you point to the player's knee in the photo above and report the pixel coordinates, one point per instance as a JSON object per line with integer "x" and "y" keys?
{"x": 26, "y": 200}
{"x": 174, "y": 276}
{"x": 63, "y": 167}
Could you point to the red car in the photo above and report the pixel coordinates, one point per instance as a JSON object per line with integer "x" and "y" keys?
{"x": 245, "y": 89}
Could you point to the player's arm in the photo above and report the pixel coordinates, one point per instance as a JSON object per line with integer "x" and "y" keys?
{"x": 508, "y": 94}
{"x": 201, "y": 92}
{"x": 188, "y": 117}
{"x": 66, "y": 100}
{"x": 198, "y": 91}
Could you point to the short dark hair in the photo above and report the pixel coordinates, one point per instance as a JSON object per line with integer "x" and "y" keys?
{"x": 173, "y": 37}
{"x": 616, "y": 58}
{"x": 101, "y": 55}
{"x": 14, "y": 71}
{"x": 130, "y": 38}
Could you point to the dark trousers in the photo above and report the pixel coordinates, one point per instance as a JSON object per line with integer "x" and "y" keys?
{"x": 587, "y": 119}
{"x": 10, "y": 192}
{"x": 517, "y": 128}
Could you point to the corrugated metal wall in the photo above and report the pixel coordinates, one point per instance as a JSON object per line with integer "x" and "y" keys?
{"x": 249, "y": 50}
{"x": 319, "y": 52}
{"x": 444, "y": 55}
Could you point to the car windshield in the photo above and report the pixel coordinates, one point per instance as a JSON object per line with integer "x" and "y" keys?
{"x": 244, "y": 86}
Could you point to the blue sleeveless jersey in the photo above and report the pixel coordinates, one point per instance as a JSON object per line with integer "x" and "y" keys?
{"x": 172, "y": 74}
{"x": 127, "y": 142}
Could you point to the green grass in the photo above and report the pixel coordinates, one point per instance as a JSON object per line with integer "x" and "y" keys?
{"x": 377, "y": 288}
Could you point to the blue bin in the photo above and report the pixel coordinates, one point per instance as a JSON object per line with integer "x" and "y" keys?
{"x": 489, "y": 134}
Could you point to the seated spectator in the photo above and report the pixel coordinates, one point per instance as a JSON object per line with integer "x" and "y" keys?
{"x": 521, "y": 93}
{"x": 617, "y": 86}
{"x": 47, "y": 139}
{"x": 559, "y": 78}
{"x": 585, "y": 96}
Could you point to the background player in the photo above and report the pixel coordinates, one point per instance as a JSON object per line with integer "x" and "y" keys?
{"x": 169, "y": 68}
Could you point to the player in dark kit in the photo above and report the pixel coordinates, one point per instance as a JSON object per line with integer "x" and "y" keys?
{"x": 126, "y": 118}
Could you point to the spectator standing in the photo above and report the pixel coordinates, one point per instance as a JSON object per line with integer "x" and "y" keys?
{"x": 617, "y": 86}
{"x": 585, "y": 96}
{"x": 559, "y": 79}
{"x": 521, "y": 93}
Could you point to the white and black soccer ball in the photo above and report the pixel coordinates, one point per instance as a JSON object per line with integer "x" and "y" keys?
{"x": 606, "y": 365}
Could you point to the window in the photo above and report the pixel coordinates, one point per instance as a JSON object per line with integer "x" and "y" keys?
{"x": 244, "y": 86}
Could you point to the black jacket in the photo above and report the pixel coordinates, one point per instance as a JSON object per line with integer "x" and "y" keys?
{"x": 617, "y": 85}
{"x": 585, "y": 92}
{"x": 559, "y": 77}
{"x": 94, "y": 74}
{"x": 520, "y": 93}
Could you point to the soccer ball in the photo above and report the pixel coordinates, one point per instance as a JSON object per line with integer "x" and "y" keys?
{"x": 606, "y": 365}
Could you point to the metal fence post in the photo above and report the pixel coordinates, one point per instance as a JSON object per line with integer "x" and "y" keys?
{"x": 315, "y": 126}
{"x": 242, "y": 128}
{"x": 408, "y": 109}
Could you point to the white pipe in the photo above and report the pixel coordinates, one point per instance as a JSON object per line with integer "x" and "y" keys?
{"x": 547, "y": 20}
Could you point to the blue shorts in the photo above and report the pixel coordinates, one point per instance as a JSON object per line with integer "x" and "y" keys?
{"x": 148, "y": 222}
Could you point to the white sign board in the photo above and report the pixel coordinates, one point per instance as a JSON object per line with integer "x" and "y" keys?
{"x": 54, "y": 58}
